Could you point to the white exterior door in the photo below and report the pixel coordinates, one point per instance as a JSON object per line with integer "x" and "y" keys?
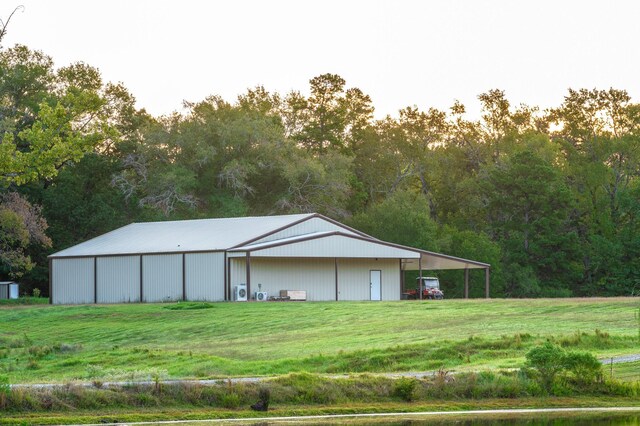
{"x": 375, "y": 281}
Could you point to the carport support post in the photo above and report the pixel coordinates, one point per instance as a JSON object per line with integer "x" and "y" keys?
{"x": 248, "y": 264}
{"x": 420, "y": 277}
{"x": 466, "y": 283}
{"x": 486, "y": 283}
{"x": 401, "y": 279}
{"x": 95, "y": 280}
{"x": 335, "y": 264}
{"x": 184, "y": 277}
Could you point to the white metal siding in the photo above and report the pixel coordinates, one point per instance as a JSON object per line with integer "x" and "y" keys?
{"x": 118, "y": 279}
{"x": 315, "y": 224}
{"x": 162, "y": 277}
{"x": 335, "y": 246}
{"x": 353, "y": 278}
{"x": 315, "y": 276}
{"x": 72, "y": 280}
{"x": 237, "y": 271}
{"x": 14, "y": 291}
{"x": 204, "y": 276}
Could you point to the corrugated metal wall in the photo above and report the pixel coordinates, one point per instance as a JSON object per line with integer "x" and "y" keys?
{"x": 4, "y": 291}
{"x": 336, "y": 246}
{"x": 14, "y": 291}
{"x": 354, "y": 278}
{"x": 73, "y": 280}
{"x": 204, "y": 276}
{"x": 118, "y": 279}
{"x": 315, "y": 224}
{"x": 237, "y": 271}
{"x": 162, "y": 277}
{"x": 315, "y": 276}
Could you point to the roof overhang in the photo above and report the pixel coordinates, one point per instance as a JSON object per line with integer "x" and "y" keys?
{"x": 342, "y": 245}
{"x": 429, "y": 260}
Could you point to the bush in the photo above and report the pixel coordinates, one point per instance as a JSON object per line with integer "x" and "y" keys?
{"x": 584, "y": 366}
{"x": 405, "y": 388}
{"x": 230, "y": 400}
{"x": 548, "y": 361}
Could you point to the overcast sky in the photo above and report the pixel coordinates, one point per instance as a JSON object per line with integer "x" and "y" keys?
{"x": 424, "y": 53}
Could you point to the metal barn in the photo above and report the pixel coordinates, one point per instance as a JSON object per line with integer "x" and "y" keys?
{"x": 238, "y": 259}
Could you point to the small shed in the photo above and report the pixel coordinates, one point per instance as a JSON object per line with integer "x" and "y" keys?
{"x": 9, "y": 290}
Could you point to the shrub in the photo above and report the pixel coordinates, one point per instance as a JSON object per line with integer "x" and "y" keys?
{"x": 584, "y": 366}
{"x": 405, "y": 388}
{"x": 548, "y": 361}
{"x": 230, "y": 400}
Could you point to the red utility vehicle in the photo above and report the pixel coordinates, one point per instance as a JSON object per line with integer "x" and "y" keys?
{"x": 430, "y": 287}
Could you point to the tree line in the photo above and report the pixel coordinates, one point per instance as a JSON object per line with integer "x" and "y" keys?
{"x": 550, "y": 198}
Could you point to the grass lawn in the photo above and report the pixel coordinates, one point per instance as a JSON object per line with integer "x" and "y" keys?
{"x": 628, "y": 371}
{"x": 115, "y": 342}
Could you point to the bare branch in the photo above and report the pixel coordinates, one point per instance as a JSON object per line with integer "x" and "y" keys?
{"x": 3, "y": 24}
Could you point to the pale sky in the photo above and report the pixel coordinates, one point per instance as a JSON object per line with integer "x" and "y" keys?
{"x": 401, "y": 53}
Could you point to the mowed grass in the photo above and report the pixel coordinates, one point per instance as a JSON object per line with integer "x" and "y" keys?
{"x": 116, "y": 342}
{"x": 628, "y": 371}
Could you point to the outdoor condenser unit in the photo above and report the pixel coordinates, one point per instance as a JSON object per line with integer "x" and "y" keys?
{"x": 240, "y": 293}
{"x": 260, "y": 296}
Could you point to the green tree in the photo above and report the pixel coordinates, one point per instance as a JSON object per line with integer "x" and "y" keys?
{"x": 332, "y": 117}
{"x": 598, "y": 133}
{"x": 21, "y": 225}
{"x": 48, "y": 118}
{"x": 528, "y": 208}
{"x": 402, "y": 218}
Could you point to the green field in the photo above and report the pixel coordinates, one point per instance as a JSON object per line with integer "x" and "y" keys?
{"x": 120, "y": 342}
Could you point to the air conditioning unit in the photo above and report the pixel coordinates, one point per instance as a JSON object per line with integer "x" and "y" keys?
{"x": 240, "y": 293}
{"x": 260, "y": 296}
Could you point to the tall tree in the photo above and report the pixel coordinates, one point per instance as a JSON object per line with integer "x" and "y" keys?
{"x": 528, "y": 212}
{"x": 48, "y": 118}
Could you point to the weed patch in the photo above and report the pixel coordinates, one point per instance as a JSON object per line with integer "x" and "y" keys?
{"x": 182, "y": 306}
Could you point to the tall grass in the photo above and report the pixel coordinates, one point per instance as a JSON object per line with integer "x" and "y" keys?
{"x": 25, "y": 300}
{"x": 297, "y": 389}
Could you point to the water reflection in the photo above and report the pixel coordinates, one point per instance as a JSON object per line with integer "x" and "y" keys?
{"x": 605, "y": 420}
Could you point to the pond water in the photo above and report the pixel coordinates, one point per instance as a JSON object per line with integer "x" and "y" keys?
{"x": 538, "y": 419}
{"x": 624, "y": 420}
{"x": 606, "y": 419}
